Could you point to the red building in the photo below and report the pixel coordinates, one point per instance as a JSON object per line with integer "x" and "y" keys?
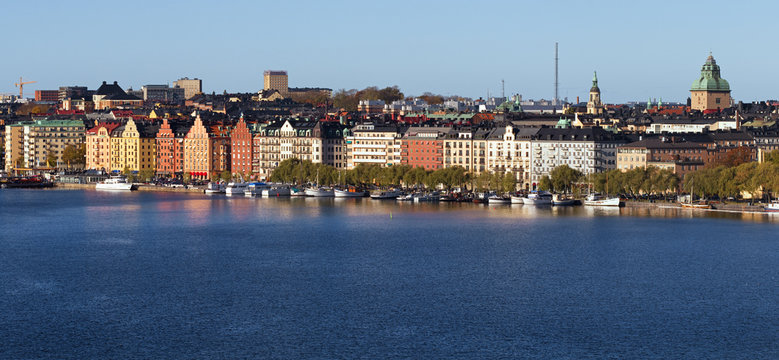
{"x": 170, "y": 149}
{"x": 241, "y": 152}
{"x": 423, "y": 147}
{"x": 219, "y": 137}
{"x": 47, "y": 95}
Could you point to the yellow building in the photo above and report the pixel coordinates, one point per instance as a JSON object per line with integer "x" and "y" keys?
{"x": 30, "y": 144}
{"x": 276, "y": 80}
{"x": 133, "y": 146}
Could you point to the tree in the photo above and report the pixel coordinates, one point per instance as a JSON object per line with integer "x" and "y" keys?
{"x": 145, "y": 175}
{"x": 736, "y": 157}
{"x": 226, "y": 176}
{"x": 509, "y": 182}
{"x": 187, "y": 178}
{"x": 128, "y": 174}
{"x": 74, "y": 154}
{"x": 563, "y": 177}
{"x": 51, "y": 159}
{"x": 545, "y": 184}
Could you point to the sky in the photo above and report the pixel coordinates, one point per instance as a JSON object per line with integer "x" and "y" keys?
{"x": 640, "y": 50}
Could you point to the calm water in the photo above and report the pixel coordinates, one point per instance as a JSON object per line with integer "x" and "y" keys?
{"x": 87, "y": 274}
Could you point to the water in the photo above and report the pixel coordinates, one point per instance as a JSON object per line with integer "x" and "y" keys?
{"x": 87, "y": 274}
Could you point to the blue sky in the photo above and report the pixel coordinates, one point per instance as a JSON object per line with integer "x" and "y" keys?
{"x": 640, "y": 49}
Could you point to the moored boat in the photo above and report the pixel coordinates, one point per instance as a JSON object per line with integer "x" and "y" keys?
{"x": 215, "y": 188}
{"x": 538, "y": 198}
{"x": 773, "y": 206}
{"x": 276, "y": 191}
{"x": 498, "y": 200}
{"x": 596, "y": 199}
{"x": 255, "y": 188}
{"x": 517, "y": 199}
{"x": 350, "y": 192}
{"x": 385, "y": 195}
{"x": 320, "y": 192}
{"x": 427, "y": 197}
{"x": 560, "y": 200}
{"x": 406, "y": 197}
{"x": 114, "y": 183}
{"x": 236, "y": 188}
{"x": 296, "y": 191}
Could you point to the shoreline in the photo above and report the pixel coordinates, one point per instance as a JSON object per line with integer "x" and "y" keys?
{"x": 729, "y": 208}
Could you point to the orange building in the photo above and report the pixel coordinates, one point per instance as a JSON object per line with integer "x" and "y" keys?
{"x": 170, "y": 149}
{"x": 241, "y": 149}
{"x": 197, "y": 151}
{"x": 98, "y": 146}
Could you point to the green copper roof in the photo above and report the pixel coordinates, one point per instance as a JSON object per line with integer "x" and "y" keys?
{"x": 710, "y": 79}
{"x": 510, "y": 106}
{"x": 594, "y": 87}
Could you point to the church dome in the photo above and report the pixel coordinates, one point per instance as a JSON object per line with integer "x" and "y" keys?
{"x": 710, "y": 79}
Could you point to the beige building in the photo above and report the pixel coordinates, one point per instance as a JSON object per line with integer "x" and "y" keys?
{"x": 276, "y": 80}
{"x": 282, "y": 140}
{"x": 372, "y": 144}
{"x": 29, "y": 144}
{"x": 710, "y": 92}
{"x": 467, "y": 149}
{"x": 98, "y": 146}
{"x": 508, "y": 151}
{"x": 191, "y": 87}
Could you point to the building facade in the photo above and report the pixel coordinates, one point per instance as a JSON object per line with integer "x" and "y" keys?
{"x": 30, "y": 144}
{"x": 197, "y": 151}
{"x": 133, "y": 147}
{"x": 424, "y": 147}
{"x": 242, "y": 151}
{"x": 191, "y": 87}
{"x": 98, "y": 146}
{"x": 276, "y": 80}
{"x": 710, "y": 92}
{"x": 47, "y": 95}
{"x": 170, "y": 149}
{"x": 468, "y": 149}
{"x": 372, "y": 144}
{"x": 282, "y": 140}
{"x": 594, "y": 104}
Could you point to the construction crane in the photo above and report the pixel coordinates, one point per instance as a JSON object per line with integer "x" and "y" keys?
{"x": 21, "y": 84}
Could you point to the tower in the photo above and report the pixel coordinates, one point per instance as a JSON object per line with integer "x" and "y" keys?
{"x": 710, "y": 92}
{"x": 594, "y": 105}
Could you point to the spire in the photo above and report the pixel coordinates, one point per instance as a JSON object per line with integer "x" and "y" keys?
{"x": 594, "y": 79}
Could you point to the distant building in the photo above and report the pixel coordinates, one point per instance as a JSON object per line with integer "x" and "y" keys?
{"x": 163, "y": 94}
{"x": 109, "y": 96}
{"x": 47, "y": 95}
{"x": 594, "y": 104}
{"x": 191, "y": 87}
{"x": 67, "y": 92}
{"x": 371, "y": 106}
{"x": 276, "y": 80}
{"x": 710, "y": 92}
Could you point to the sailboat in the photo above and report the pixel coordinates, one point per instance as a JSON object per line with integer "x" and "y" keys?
{"x": 596, "y": 199}
{"x": 319, "y": 191}
{"x": 700, "y": 204}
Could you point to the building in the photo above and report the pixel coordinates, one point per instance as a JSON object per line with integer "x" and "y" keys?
{"x": 468, "y": 149}
{"x": 197, "y": 151}
{"x": 170, "y": 149}
{"x": 98, "y": 146}
{"x": 133, "y": 147}
{"x": 710, "y": 92}
{"x": 283, "y": 140}
{"x": 665, "y": 152}
{"x": 29, "y": 144}
{"x": 109, "y": 96}
{"x": 191, "y": 87}
{"x": 67, "y": 92}
{"x": 333, "y": 143}
{"x": 276, "y": 80}
{"x": 163, "y": 94}
{"x": 219, "y": 138}
{"x": 371, "y": 106}
{"x": 424, "y": 147}
{"x": 47, "y": 95}
{"x": 589, "y": 150}
{"x": 594, "y": 104}
{"x": 242, "y": 151}
{"x": 508, "y": 151}
{"x": 372, "y": 144}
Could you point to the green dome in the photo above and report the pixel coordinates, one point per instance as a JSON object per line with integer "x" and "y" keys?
{"x": 710, "y": 79}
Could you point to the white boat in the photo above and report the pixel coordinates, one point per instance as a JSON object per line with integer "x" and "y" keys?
{"x": 351, "y": 192}
{"x": 255, "y": 188}
{"x": 517, "y": 199}
{"x": 215, "y": 188}
{"x": 383, "y": 195}
{"x": 114, "y": 183}
{"x": 538, "y": 198}
{"x": 429, "y": 197}
{"x": 295, "y": 191}
{"x": 320, "y": 192}
{"x": 236, "y": 188}
{"x": 406, "y": 197}
{"x": 276, "y": 191}
{"x": 773, "y": 206}
{"x": 498, "y": 200}
{"x": 596, "y": 199}
{"x": 559, "y": 200}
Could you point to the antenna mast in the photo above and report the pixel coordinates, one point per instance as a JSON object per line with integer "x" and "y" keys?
{"x": 503, "y": 87}
{"x": 556, "y": 84}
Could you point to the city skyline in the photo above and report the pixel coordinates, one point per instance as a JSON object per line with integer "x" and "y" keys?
{"x": 449, "y": 49}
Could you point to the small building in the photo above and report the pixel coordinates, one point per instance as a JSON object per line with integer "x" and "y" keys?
{"x": 710, "y": 92}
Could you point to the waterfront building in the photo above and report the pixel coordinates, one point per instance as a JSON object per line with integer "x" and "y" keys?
{"x": 282, "y": 140}
{"x": 191, "y": 87}
{"x": 665, "y": 152}
{"x": 28, "y": 144}
{"x": 373, "y": 144}
{"x": 710, "y": 92}
{"x": 466, "y": 148}
{"x": 508, "y": 152}
{"x": 170, "y": 148}
{"x": 98, "y": 146}
{"x": 333, "y": 144}
{"x": 242, "y": 151}
{"x": 133, "y": 147}
{"x": 766, "y": 141}
{"x": 276, "y": 80}
{"x": 197, "y": 151}
{"x": 423, "y": 147}
{"x": 594, "y": 104}
{"x": 589, "y": 150}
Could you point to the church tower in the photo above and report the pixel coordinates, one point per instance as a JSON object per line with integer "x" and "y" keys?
{"x": 710, "y": 92}
{"x": 594, "y": 105}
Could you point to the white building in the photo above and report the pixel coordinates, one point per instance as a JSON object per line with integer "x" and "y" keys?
{"x": 373, "y": 145}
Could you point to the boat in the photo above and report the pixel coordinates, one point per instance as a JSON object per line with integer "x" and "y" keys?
{"x": 405, "y": 197}
{"x": 427, "y": 197}
{"x": 560, "y": 200}
{"x": 296, "y": 191}
{"x": 773, "y": 206}
{"x": 25, "y": 182}
{"x": 215, "y": 188}
{"x": 538, "y": 198}
{"x": 255, "y": 188}
{"x": 236, "y": 188}
{"x": 320, "y": 192}
{"x": 498, "y": 200}
{"x": 276, "y": 191}
{"x": 114, "y": 183}
{"x": 350, "y": 192}
{"x": 690, "y": 204}
{"x": 517, "y": 199}
{"x": 596, "y": 199}
{"x": 385, "y": 195}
